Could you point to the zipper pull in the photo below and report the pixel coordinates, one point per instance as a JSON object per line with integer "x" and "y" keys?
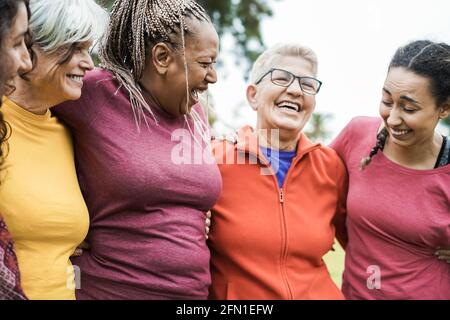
{"x": 281, "y": 196}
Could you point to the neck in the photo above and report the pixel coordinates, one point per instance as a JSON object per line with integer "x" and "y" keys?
{"x": 422, "y": 155}
{"x": 31, "y": 98}
{"x": 276, "y": 139}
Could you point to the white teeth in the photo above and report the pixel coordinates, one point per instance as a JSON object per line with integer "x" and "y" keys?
{"x": 76, "y": 78}
{"x": 399, "y": 132}
{"x": 289, "y": 105}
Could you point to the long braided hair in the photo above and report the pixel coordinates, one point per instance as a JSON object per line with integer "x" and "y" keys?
{"x": 381, "y": 141}
{"x": 425, "y": 58}
{"x": 136, "y": 26}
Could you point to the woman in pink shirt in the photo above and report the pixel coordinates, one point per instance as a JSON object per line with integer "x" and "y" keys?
{"x": 138, "y": 131}
{"x": 399, "y": 191}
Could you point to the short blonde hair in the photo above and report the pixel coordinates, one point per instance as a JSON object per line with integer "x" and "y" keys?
{"x": 58, "y": 23}
{"x": 266, "y": 60}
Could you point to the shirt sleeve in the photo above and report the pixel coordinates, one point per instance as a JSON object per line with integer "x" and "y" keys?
{"x": 341, "y": 142}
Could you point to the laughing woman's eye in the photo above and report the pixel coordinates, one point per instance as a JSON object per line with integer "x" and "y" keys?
{"x": 19, "y": 43}
{"x": 409, "y": 110}
{"x": 207, "y": 65}
{"x": 387, "y": 103}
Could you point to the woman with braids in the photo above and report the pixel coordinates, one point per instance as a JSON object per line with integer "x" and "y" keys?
{"x": 40, "y": 198}
{"x": 147, "y": 205}
{"x": 14, "y": 58}
{"x": 399, "y": 193}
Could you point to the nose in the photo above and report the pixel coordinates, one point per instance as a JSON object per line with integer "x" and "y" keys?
{"x": 211, "y": 76}
{"x": 295, "y": 88}
{"x": 25, "y": 63}
{"x": 86, "y": 62}
{"x": 394, "y": 118}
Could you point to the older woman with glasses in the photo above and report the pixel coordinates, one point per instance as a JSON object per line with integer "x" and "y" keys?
{"x": 281, "y": 193}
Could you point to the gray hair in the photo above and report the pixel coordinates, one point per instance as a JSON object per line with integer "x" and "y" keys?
{"x": 58, "y": 23}
{"x": 266, "y": 60}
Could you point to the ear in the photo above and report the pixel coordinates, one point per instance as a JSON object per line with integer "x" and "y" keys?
{"x": 444, "y": 110}
{"x": 251, "y": 96}
{"x": 161, "y": 57}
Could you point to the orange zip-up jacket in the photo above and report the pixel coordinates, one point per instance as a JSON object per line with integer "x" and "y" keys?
{"x": 268, "y": 242}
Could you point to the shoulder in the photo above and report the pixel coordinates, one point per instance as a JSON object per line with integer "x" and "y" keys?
{"x": 226, "y": 146}
{"x": 329, "y": 157}
{"x": 99, "y": 86}
{"x": 222, "y": 148}
{"x": 99, "y": 78}
{"x": 363, "y": 124}
{"x": 359, "y": 130}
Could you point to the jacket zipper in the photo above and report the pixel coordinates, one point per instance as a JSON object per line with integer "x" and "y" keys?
{"x": 284, "y": 253}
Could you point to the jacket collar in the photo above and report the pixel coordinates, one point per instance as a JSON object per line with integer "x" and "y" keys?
{"x": 248, "y": 142}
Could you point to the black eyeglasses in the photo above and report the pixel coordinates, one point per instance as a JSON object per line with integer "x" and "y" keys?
{"x": 283, "y": 78}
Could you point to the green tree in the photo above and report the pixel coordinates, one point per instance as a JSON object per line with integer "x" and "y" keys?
{"x": 242, "y": 19}
{"x": 316, "y": 127}
{"x": 446, "y": 122}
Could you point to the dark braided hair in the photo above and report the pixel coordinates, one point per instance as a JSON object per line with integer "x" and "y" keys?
{"x": 381, "y": 140}
{"x": 9, "y": 10}
{"x": 136, "y": 26}
{"x": 427, "y": 59}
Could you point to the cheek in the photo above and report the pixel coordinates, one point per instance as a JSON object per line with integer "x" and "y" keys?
{"x": 384, "y": 111}
{"x": 196, "y": 77}
{"x": 310, "y": 104}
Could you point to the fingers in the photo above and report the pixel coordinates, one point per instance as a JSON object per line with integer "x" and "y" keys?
{"x": 78, "y": 252}
{"x": 84, "y": 245}
{"x": 443, "y": 254}
{"x": 207, "y": 232}
{"x": 231, "y": 137}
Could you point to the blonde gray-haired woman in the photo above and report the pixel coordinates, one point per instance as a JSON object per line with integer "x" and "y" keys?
{"x": 291, "y": 189}
{"x": 147, "y": 209}
{"x": 40, "y": 198}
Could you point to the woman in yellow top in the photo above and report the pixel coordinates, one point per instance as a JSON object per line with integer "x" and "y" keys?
{"x": 14, "y": 59}
{"x": 40, "y": 198}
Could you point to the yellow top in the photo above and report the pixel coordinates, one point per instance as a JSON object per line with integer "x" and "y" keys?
{"x": 41, "y": 202}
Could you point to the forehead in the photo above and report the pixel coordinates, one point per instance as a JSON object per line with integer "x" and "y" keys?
{"x": 20, "y": 24}
{"x": 297, "y": 65}
{"x": 203, "y": 41}
{"x": 403, "y": 81}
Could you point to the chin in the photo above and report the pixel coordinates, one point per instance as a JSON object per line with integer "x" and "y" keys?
{"x": 184, "y": 110}
{"x": 289, "y": 126}
{"x": 73, "y": 95}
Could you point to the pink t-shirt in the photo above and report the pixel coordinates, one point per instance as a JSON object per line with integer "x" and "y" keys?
{"x": 147, "y": 207}
{"x": 397, "y": 217}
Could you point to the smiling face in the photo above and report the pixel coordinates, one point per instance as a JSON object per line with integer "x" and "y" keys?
{"x": 202, "y": 47}
{"x": 15, "y": 47}
{"x": 61, "y": 81}
{"x": 284, "y": 108}
{"x": 408, "y": 108}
